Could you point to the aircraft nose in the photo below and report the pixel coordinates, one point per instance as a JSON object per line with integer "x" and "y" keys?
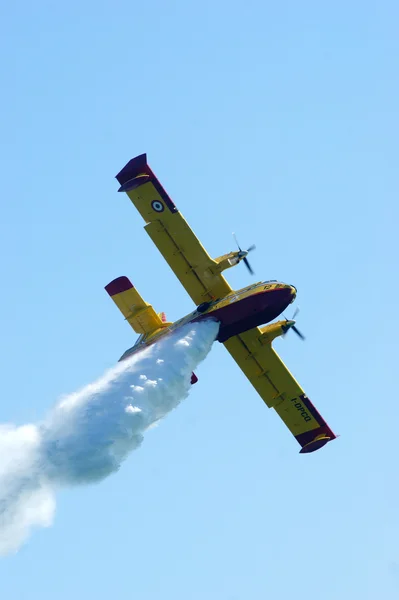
{"x": 293, "y": 291}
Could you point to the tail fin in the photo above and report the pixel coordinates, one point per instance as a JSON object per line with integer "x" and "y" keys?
{"x": 139, "y": 314}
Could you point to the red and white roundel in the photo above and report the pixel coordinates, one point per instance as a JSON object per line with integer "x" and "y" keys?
{"x": 157, "y": 206}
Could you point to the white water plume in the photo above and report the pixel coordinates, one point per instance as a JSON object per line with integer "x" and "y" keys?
{"x": 90, "y": 433}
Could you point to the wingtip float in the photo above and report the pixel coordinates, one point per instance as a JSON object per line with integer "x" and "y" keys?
{"x": 241, "y": 313}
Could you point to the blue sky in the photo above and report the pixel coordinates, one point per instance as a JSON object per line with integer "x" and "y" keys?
{"x": 279, "y": 123}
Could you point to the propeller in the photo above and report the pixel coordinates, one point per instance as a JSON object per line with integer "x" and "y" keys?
{"x": 242, "y": 254}
{"x": 291, "y": 325}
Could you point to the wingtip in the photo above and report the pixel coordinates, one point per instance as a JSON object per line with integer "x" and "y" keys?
{"x": 134, "y": 183}
{"x": 315, "y": 444}
{"x": 134, "y": 167}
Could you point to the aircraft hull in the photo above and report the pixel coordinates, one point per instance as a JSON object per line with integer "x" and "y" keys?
{"x": 254, "y": 310}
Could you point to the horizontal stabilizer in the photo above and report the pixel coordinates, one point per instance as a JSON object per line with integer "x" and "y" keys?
{"x": 140, "y": 315}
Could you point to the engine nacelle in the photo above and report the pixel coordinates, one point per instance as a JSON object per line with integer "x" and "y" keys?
{"x": 226, "y": 261}
{"x": 270, "y": 332}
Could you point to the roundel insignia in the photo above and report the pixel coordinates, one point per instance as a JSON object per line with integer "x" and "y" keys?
{"x": 157, "y": 206}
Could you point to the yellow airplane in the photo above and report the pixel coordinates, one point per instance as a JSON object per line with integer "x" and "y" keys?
{"x": 239, "y": 312}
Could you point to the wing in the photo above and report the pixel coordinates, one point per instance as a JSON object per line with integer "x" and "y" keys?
{"x": 279, "y": 390}
{"x": 169, "y": 231}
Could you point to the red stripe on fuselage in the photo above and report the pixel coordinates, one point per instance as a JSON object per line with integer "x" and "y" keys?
{"x": 252, "y": 311}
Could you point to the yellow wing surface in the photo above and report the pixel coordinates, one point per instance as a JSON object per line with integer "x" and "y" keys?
{"x": 139, "y": 314}
{"x": 279, "y": 390}
{"x": 169, "y": 231}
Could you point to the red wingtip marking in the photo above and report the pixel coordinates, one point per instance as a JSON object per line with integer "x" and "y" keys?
{"x": 194, "y": 378}
{"x": 118, "y": 285}
{"x": 133, "y": 168}
{"x": 315, "y": 445}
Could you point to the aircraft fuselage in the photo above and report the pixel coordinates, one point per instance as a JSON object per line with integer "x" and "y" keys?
{"x": 238, "y": 312}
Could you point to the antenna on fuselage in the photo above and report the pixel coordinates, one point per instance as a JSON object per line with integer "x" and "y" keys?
{"x": 242, "y": 254}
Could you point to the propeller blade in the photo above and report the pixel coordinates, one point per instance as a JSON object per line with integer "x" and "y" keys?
{"x": 243, "y": 253}
{"x": 248, "y": 266}
{"x": 298, "y": 332}
{"x": 291, "y": 325}
{"x": 236, "y": 241}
